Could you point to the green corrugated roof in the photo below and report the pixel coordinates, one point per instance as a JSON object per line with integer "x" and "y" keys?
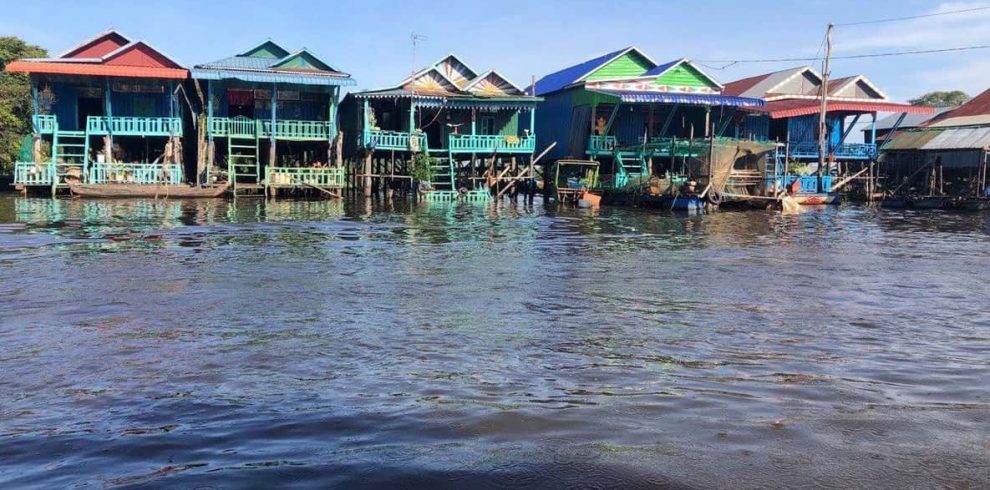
{"x": 911, "y": 140}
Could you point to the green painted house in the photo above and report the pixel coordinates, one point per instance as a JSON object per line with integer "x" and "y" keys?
{"x": 626, "y": 110}
{"x": 451, "y": 112}
{"x": 272, "y": 118}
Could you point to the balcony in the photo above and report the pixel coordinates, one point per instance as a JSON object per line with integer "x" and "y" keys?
{"x": 134, "y": 126}
{"x": 298, "y": 130}
{"x": 327, "y": 178}
{"x": 286, "y": 129}
{"x": 134, "y": 173}
{"x": 395, "y": 140}
{"x": 487, "y": 143}
{"x": 601, "y": 144}
{"x": 852, "y": 151}
{"x": 656, "y": 147}
{"x": 44, "y": 123}
{"x": 809, "y": 183}
{"x": 30, "y": 173}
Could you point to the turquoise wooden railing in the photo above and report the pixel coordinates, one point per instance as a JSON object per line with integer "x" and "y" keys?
{"x": 298, "y": 130}
{"x": 289, "y": 129}
{"x": 30, "y": 173}
{"x": 809, "y": 183}
{"x": 598, "y": 143}
{"x": 134, "y": 126}
{"x": 44, "y": 123}
{"x": 463, "y": 143}
{"x": 134, "y": 173}
{"x": 395, "y": 140}
{"x": 328, "y": 177}
{"x": 850, "y": 151}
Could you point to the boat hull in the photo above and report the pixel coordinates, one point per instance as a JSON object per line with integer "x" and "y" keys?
{"x": 816, "y": 199}
{"x": 693, "y": 203}
{"x": 143, "y": 190}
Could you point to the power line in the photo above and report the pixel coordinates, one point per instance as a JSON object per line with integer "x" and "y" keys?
{"x": 912, "y": 17}
{"x": 846, "y": 57}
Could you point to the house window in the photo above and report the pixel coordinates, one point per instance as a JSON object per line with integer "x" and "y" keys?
{"x": 144, "y": 106}
{"x": 486, "y": 124}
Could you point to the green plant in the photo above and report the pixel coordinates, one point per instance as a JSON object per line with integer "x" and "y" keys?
{"x": 799, "y": 168}
{"x": 422, "y": 167}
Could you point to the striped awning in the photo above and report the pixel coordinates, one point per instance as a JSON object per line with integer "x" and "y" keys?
{"x": 272, "y": 77}
{"x": 637, "y": 97}
{"x": 802, "y": 107}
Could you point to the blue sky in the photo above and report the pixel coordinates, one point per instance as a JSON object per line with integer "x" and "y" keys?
{"x": 371, "y": 38}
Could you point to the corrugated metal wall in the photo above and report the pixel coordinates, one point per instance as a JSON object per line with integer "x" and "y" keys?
{"x": 553, "y": 123}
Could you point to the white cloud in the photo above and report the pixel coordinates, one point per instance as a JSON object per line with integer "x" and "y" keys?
{"x": 969, "y": 76}
{"x": 946, "y": 31}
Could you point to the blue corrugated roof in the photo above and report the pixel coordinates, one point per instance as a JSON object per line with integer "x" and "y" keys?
{"x": 271, "y": 77}
{"x": 560, "y": 79}
{"x": 261, "y": 70}
{"x": 676, "y": 98}
{"x": 662, "y": 68}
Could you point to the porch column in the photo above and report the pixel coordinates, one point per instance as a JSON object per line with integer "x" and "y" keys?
{"x": 271, "y": 137}
{"x": 708, "y": 120}
{"x": 332, "y": 111}
{"x": 210, "y": 146}
{"x": 474, "y": 115}
{"x": 532, "y": 120}
{"x": 412, "y": 116}
{"x": 36, "y": 136}
{"x": 108, "y": 109}
{"x": 873, "y": 128}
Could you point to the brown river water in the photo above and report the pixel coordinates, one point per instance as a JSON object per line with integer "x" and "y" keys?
{"x": 314, "y": 344}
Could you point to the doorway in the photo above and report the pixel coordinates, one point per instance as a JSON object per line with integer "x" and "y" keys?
{"x": 240, "y": 103}
{"x": 88, "y": 106}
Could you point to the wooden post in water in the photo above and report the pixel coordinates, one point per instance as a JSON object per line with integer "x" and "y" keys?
{"x": 822, "y": 120}
{"x": 367, "y": 173}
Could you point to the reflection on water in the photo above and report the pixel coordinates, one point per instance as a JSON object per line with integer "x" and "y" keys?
{"x": 360, "y": 344}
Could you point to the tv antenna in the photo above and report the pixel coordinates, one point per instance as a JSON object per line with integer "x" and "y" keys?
{"x": 416, "y": 39}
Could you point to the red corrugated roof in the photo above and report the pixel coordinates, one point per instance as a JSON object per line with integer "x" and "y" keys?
{"x": 95, "y": 69}
{"x": 977, "y": 106}
{"x": 739, "y": 87}
{"x": 802, "y": 107}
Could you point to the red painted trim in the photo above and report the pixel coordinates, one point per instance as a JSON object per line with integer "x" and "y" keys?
{"x": 95, "y": 69}
{"x": 792, "y": 108}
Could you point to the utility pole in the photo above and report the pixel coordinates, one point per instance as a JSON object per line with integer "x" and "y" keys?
{"x": 822, "y": 121}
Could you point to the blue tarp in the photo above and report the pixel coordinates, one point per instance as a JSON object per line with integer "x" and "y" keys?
{"x": 630, "y": 96}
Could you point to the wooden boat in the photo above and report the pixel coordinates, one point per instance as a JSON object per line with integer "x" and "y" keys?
{"x": 929, "y": 203}
{"x": 816, "y": 199}
{"x": 973, "y": 204}
{"x": 145, "y": 190}
{"x": 894, "y": 203}
{"x": 687, "y": 203}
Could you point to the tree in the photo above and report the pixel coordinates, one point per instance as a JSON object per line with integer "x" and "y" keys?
{"x": 15, "y": 100}
{"x": 941, "y": 99}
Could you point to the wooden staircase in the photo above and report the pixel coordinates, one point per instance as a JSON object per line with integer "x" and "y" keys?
{"x": 442, "y": 180}
{"x": 70, "y": 150}
{"x": 243, "y": 168}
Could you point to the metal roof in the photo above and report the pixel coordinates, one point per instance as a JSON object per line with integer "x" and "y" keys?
{"x": 910, "y": 121}
{"x": 801, "y": 107}
{"x": 960, "y": 139}
{"x": 659, "y": 69}
{"x": 977, "y": 106}
{"x": 680, "y": 98}
{"x": 941, "y": 139}
{"x": 260, "y": 69}
{"x": 911, "y": 140}
{"x": 272, "y": 77}
{"x": 562, "y": 78}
